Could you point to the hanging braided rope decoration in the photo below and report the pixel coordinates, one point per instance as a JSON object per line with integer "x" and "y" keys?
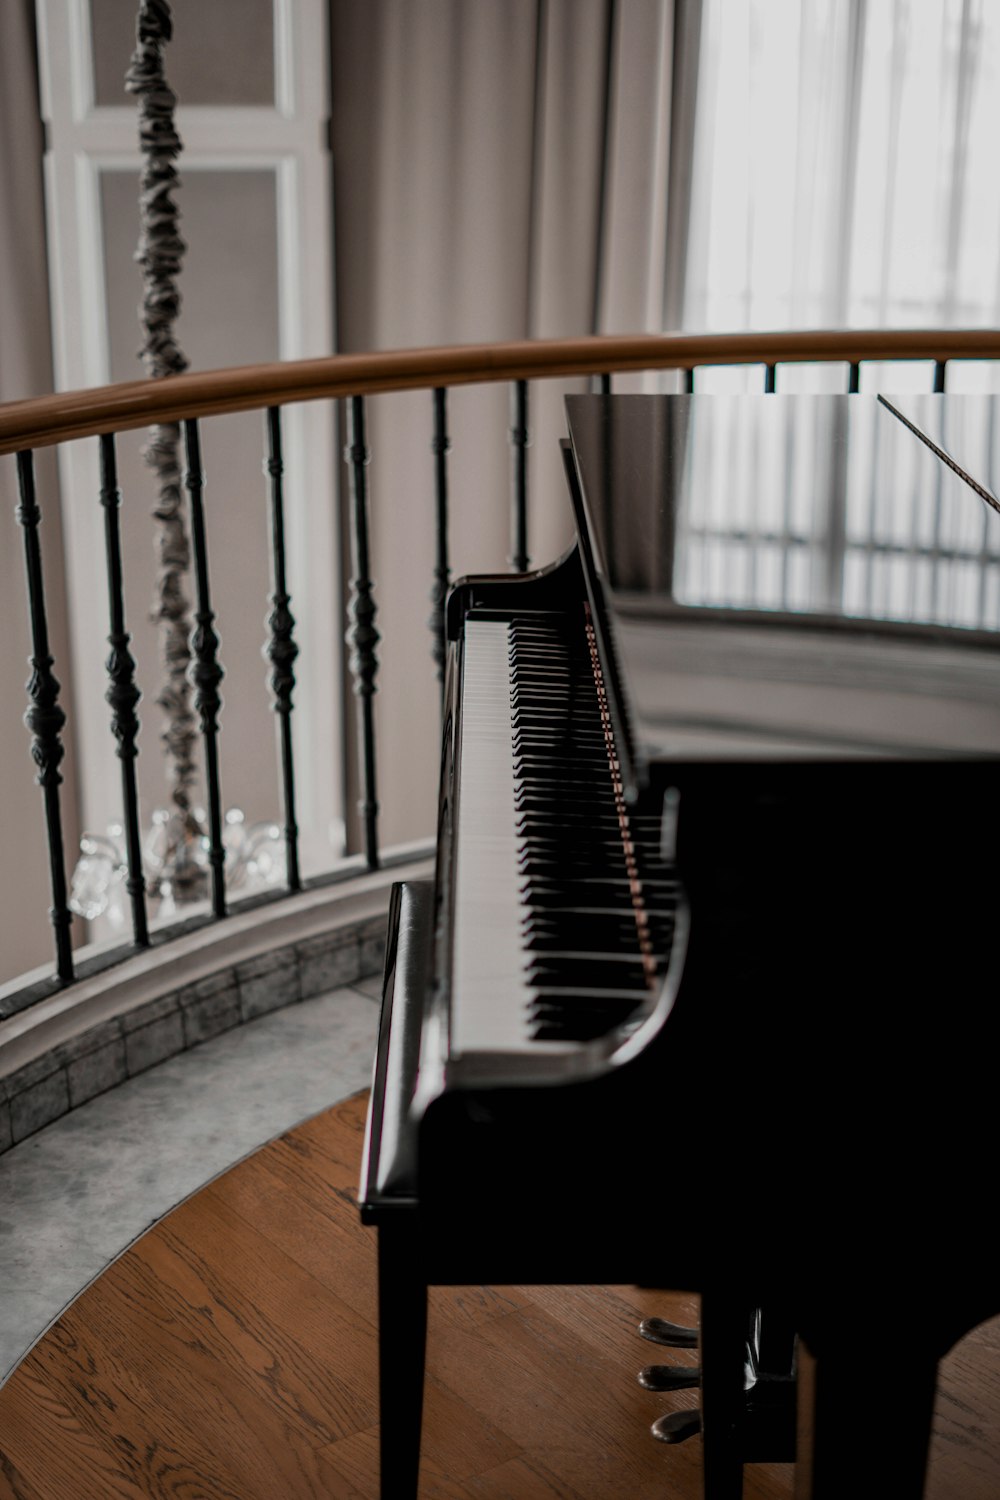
{"x": 177, "y": 855}
{"x": 160, "y": 253}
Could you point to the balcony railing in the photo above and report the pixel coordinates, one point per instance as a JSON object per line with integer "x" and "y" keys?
{"x": 192, "y": 399}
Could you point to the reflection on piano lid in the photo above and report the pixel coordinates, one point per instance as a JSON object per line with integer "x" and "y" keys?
{"x": 790, "y": 577}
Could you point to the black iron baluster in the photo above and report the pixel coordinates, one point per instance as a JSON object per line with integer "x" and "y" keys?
{"x": 281, "y": 649}
{"x": 519, "y": 512}
{"x": 689, "y": 381}
{"x": 939, "y": 365}
{"x": 204, "y": 671}
{"x": 362, "y": 637}
{"x": 854, "y": 378}
{"x": 605, "y": 385}
{"x": 769, "y": 379}
{"x": 440, "y": 443}
{"x": 44, "y": 717}
{"x": 123, "y": 695}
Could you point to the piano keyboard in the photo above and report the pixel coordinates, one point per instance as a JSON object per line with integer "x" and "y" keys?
{"x": 563, "y": 912}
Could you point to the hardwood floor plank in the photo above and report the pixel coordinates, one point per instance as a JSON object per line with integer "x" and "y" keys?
{"x": 161, "y": 1381}
{"x": 534, "y": 1476}
{"x": 964, "y": 1458}
{"x": 277, "y": 1326}
{"x": 77, "y": 1432}
{"x": 614, "y": 1316}
{"x": 473, "y": 1306}
{"x": 521, "y": 1373}
{"x": 302, "y": 1221}
{"x": 457, "y": 1445}
{"x": 13, "y": 1484}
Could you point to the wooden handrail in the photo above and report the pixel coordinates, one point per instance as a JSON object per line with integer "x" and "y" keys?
{"x": 47, "y": 420}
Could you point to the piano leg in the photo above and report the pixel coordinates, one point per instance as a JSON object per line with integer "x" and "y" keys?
{"x": 723, "y": 1329}
{"x": 402, "y": 1343}
{"x": 746, "y": 1382}
{"x": 837, "y": 1402}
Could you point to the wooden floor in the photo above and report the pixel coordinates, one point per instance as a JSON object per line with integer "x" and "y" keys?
{"x": 230, "y": 1354}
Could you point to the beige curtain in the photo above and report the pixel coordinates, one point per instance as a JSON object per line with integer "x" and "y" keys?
{"x": 25, "y": 370}
{"x": 501, "y": 171}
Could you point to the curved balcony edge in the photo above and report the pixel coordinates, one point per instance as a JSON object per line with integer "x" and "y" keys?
{"x": 114, "y": 1024}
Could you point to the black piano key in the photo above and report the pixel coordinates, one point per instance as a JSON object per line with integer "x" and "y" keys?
{"x": 586, "y": 760}
{"x": 582, "y": 1023}
{"x": 586, "y": 850}
{"x": 572, "y": 804}
{"x": 566, "y": 801}
{"x": 606, "y": 895}
{"x": 532, "y": 724}
{"x": 565, "y": 972}
{"x": 561, "y": 873}
{"x": 583, "y": 778}
{"x": 553, "y": 1003}
{"x": 537, "y": 739}
{"x": 531, "y": 777}
{"x": 542, "y": 896}
{"x": 569, "y": 944}
{"x": 577, "y": 932}
{"x": 572, "y": 823}
{"x": 590, "y": 846}
{"x": 660, "y": 884}
{"x": 534, "y": 821}
{"x": 588, "y": 840}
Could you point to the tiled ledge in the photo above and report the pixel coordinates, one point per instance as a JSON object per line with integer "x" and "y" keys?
{"x": 103, "y": 1033}
{"x": 77, "y": 1193}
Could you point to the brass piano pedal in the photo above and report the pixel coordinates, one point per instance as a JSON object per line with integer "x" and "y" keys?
{"x": 669, "y": 1377}
{"x": 676, "y": 1426}
{"x": 673, "y": 1335}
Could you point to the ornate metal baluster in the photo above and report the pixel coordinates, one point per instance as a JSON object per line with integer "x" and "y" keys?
{"x": 362, "y": 637}
{"x": 44, "y": 717}
{"x": 939, "y": 365}
{"x": 205, "y": 672}
{"x": 519, "y": 439}
{"x": 440, "y": 443}
{"x": 854, "y": 378}
{"x": 123, "y": 695}
{"x": 281, "y": 648}
{"x": 689, "y": 381}
{"x": 769, "y": 379}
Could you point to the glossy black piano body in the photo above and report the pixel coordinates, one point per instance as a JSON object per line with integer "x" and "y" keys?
{"x": 804, "y": 1119}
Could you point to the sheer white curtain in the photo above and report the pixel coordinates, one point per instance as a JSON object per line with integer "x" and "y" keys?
{"x": 501, "y": 171}
{"x": 844, "y": 169}
{"x": 844, "y": 176}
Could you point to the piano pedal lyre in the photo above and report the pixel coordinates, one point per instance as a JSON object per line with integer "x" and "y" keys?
{"x": 675, "y": 1426}
{"x": 753, "y": 1388}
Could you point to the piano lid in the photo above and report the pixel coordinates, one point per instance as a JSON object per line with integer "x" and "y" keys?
{"x": 789, "y": 577}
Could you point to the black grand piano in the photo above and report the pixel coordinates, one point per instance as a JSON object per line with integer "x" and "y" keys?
{"x": 702, "y": 993}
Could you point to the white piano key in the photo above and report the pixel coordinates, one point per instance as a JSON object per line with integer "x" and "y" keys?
{"x": 489, "y": 990}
